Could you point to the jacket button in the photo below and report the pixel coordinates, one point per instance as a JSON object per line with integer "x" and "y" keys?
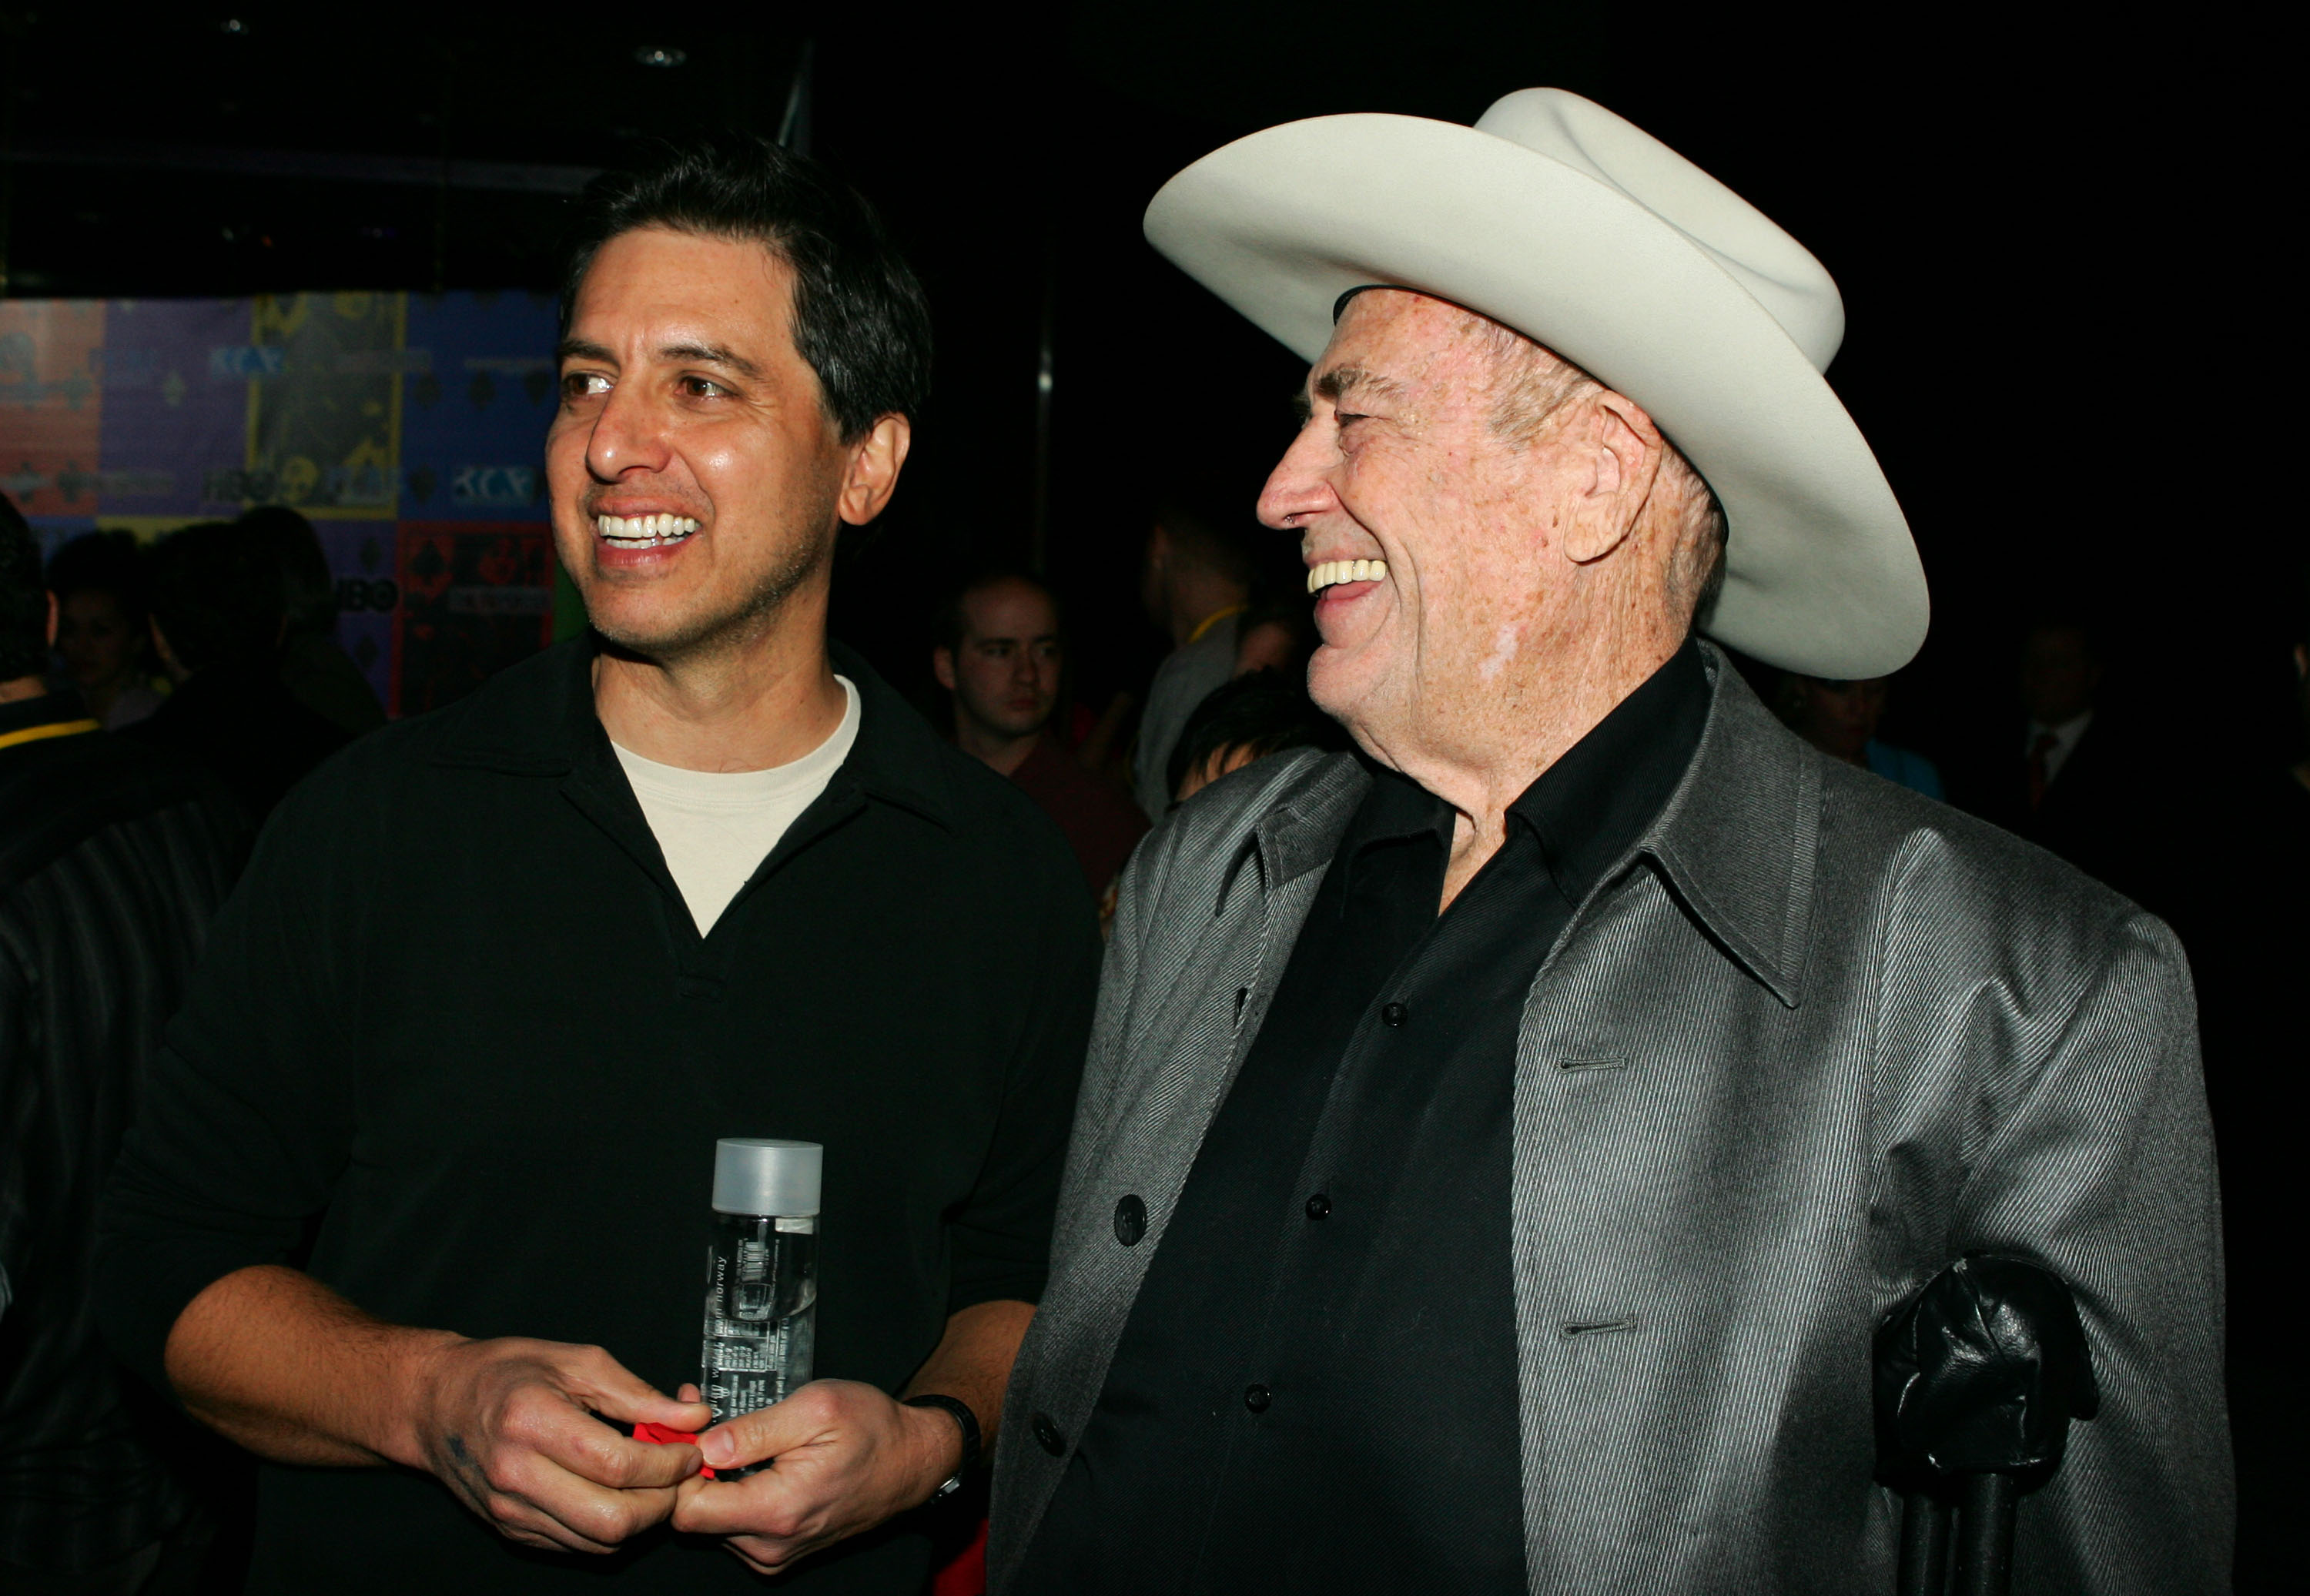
{"x": 1318, "y": 1206}
{"x": 1392, "y": 1014}
{"x": 1130, "y": 1221}
{"x": 1048, "y": 1433}
{"x": 1256, "y": 1398}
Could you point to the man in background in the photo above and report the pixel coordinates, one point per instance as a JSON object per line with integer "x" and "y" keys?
{"x": 1840, "y": 718}
{"x": 112, "y": 861}
{"x": 103, "y": 635}
{"x": 2061, "y": 676}
{"x": 2075, "y": 779}
{"x": 1196, "y": 582}
{"x": 313, "y": 667}
{"x": 219, "y": 616}
{"x": 1002, "y": 656}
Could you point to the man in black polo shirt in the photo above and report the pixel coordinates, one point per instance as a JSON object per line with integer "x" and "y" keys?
{"x": 499, "y": 977}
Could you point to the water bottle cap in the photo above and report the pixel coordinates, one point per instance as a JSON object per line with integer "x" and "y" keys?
{"x": 757, "y": 1175}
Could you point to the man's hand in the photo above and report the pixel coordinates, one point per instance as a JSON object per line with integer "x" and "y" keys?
{"x": 510, "y": 1425}
{"x": 846, "y": 1458}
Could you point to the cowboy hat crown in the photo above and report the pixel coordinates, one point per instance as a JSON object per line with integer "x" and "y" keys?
{"x": 1570, "y": 224}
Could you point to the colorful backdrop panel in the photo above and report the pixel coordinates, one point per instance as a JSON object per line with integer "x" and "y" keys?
{"x": 408, "y": 427}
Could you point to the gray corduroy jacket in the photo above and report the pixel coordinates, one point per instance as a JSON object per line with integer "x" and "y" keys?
{"x": 1814, "y": 1038}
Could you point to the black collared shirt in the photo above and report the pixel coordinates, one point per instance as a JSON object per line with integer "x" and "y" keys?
{"x": 459, "y": 1009}
{"x": 1316, "y": 1389}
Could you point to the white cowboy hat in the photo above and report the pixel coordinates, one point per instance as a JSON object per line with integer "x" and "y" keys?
{"x": 1582, "y": 231}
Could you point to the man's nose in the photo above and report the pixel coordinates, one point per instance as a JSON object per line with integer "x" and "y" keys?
{"x": 628, "y": 435}
{"x": 1299, "y": 486}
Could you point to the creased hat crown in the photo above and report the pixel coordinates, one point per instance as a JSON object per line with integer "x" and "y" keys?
{"x": 1795, "y": 290}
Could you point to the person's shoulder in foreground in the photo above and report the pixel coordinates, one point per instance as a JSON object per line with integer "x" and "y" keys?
{"x": 112, "y": 859}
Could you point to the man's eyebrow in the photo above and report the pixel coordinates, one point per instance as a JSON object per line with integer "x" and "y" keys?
{"x": 1340, "y": 381}
{"x": 711, "y": 354}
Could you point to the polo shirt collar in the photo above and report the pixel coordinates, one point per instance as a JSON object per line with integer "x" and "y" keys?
{"x": 537, "y": 718}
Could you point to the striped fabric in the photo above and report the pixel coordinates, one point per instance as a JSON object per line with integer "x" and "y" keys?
{"x": 1815, "y": 1038}
{"x": 111, "y": 864}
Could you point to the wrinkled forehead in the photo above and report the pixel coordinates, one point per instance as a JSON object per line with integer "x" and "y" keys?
{"x": 1391, "y": 341}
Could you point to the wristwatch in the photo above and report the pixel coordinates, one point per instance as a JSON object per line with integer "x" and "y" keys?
{"x": 959, "y": 1411}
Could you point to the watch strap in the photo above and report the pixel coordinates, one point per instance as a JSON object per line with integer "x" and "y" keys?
{"x": 956, "y": 1408}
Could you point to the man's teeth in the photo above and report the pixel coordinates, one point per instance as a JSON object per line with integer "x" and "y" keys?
{"x": 1331, "y": 572}
{"x": 645, "y": 530}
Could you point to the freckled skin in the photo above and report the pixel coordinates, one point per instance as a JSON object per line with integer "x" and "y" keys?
{"x": 1526, "y": 590}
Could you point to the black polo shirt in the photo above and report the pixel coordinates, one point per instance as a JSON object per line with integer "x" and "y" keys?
{"x": 458, "y": 1011}
{"x": 1316, "y": 1391}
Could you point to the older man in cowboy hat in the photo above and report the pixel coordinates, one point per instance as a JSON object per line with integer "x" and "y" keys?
{"x": 1498, "y": 1148}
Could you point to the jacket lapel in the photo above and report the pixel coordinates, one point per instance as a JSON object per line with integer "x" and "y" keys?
{"x": 1738, "y": 837}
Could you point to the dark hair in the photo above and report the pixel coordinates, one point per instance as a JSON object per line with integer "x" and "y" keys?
{"x": 1287, "y": 608}
{"x": 2066, "y": 617}
{"x": 860, "y": 319}
{"x": 307, "y": 587}
{"x": 1266, "y": 712}
{"x": 109, "y": 562}
{"x": 954, "y": 620}
{"x": 216, "y": 594}
{"x": 24, "y": 599}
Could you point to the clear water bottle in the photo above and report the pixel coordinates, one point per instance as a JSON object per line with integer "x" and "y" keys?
{"x": 762, "y": 1274}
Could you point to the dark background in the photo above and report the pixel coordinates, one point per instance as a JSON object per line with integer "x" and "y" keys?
{"x": 2051, "y": 239}
{"x": 2055, "y": 240}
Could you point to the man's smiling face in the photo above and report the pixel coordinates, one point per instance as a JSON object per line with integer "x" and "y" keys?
{"x": 694, "y": 471}
{"x": 1400, "y": 461}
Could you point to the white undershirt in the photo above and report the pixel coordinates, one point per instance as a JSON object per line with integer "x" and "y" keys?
{"x": 716, "y": 827}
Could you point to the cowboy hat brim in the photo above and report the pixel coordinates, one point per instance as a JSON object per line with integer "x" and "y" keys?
{"x": 1821, "y": 575}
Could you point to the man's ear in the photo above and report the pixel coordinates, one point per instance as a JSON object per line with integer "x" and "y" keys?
{"x": 54, "y": 612}
{"x": 1623, "y": 452}
{"x": 875, "y": 461}
{"x": 943, "y": 666}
